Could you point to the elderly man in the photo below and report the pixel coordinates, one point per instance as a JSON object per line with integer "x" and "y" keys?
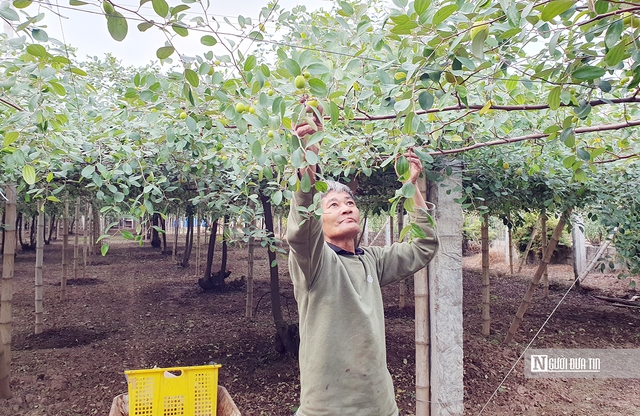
{"x": 343, "y": 365}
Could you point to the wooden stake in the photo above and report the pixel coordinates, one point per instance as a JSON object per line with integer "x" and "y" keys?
{"x": 510, "y": 242}
{"x": 526, "y": 301}
{"x": 199, "y": 222}
{"x": 39, "y": 260}
{"x": 84, "y": 240}
{"x": 486, "y": 288}
{"x": 403, "y": 283}
{"x": 6, "y": 296}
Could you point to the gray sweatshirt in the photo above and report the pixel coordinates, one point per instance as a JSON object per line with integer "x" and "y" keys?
{"x": 343, "y": 363}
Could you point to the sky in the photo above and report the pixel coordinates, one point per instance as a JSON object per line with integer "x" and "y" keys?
{"x": 86, "y": 29}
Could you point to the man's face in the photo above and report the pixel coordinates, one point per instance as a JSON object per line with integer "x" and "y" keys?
{"x": 340, "y": 217}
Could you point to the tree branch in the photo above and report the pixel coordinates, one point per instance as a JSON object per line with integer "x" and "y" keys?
{"x": 459, "y": 107}
{"x": 579, "y": 130}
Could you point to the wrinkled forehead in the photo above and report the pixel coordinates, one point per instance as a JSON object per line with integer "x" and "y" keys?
{"x": 336, "y": 196}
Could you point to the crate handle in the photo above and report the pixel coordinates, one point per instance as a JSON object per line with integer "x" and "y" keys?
{"x": 172, "y": 373}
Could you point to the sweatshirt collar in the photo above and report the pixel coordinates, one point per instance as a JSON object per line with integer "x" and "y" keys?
{"x": 341, "y": 251}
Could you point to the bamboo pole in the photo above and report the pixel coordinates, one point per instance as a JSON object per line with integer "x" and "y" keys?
{"x": 65, "y": 245}
{"x": 543, "y": 242}
{"x": 594, "y": 259}
{"x": 249, "y": 308}
{"x": 6, "y": 296}
{"x": 76, "y": 240}
{"x": 526, "y": 301}
{"x": 526, "y": 251}
{"x": 403, "y": 283}
{"x": 486, "y": 282}
{"x": 422, "y": 336}
{"x": 39, "y": 260}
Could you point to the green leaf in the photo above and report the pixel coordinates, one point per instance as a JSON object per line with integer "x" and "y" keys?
{"x": 293, "y": 67}
{"x": 402, "y": 167}
{"x": 58, "y": 88}
{"x": 417, "y": 232}
{"x": 588, "y": 72}
{"x": 250, "y": 63}
{"x": 192, "y": 77}
{"x": 616, "y": 54}
{"x": 554, "y": 98}
{"x": 403, "y": 25}
{"x": 180, "y": 29}
{"x": 584, "y": 154}
{"x": 117, "y": 26}
{"x": 37, "y": 50}
{"x": 29, "y": 174}
{"x": 554, "y": 8}
{"x": 160, "y": 7}
{"x": 305, "y": 182}
{"x": 208, "y": 40}
{"x": 276, "y": 197}
{"x": 477, "y": 44}
{"x": 40, "y": 35}
{"x": 142, "y": 27}
{"x": 425, "y": 99}
{"x": 88, "y": 171}
{"x": 442, "y": 14}
{"x": 9, "y": 138}
{"x": 77, "y": 3}
{"x": 165, "y": 52}
{"x": 104, "y": 249}
{"x": 78, "y": 71}
{"x": 21, "y": 4}
{"x": 318, "y": 87}
{"x": 127, "y": 235}
{"x": 52, "y": 198}
{"x": 118, "y": 196}
{"x": 7, "y": 13}
{"x": 421, "y": 6}
{"x": 614, "y": 31}
{"x": 408, "y": 190}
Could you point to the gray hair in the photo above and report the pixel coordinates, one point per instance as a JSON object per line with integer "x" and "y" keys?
{"x": 337, "y": 187}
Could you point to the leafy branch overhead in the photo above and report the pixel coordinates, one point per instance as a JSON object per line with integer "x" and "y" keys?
{"x": 546, "y": 87}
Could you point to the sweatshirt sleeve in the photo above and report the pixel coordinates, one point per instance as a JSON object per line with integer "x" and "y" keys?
{"x": 306, "y": 241}
{"x": 401, "y": 260}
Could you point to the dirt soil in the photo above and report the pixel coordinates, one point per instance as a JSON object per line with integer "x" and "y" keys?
{"x": 135, "y": 309}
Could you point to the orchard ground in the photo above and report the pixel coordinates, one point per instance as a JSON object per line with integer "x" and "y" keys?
{"x": 135, "y": 309}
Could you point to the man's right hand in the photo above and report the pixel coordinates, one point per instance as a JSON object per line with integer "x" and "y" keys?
{"x": 305, "y": 129}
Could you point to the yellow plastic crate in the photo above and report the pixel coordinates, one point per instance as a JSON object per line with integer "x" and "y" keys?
{"x": 175, "y": 391}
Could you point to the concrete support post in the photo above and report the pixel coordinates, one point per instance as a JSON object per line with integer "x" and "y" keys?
{"x": 445, "y": 299}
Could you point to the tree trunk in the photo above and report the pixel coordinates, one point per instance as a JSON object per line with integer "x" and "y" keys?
{"x": 39, "y": 259}
{"x": 4, "y": 216}
{"x": 529, "y": 244}
{"x": 205, "y": 281}
{"x": 19, "y": 229}
{"x": 6, "y": 296}
{"x": 510, "y": 242}
{"x": 526, "y": 301}
{"x": 543, "y": 243}
{"x": 65, "y": 245}
{"x": 486, "y": 288}
{"x": 218, "y": 278}
{"x": 155, "y": 235}
{"x": 52, "y": 225}
{"x": 198, "y": 215}
{"x": 84, "y": 240}
{"x": 249, "y": 309}
{"x": 188, "y": 245}
{"x": 164, "y": 234}
{"x": 287, "y": 337}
